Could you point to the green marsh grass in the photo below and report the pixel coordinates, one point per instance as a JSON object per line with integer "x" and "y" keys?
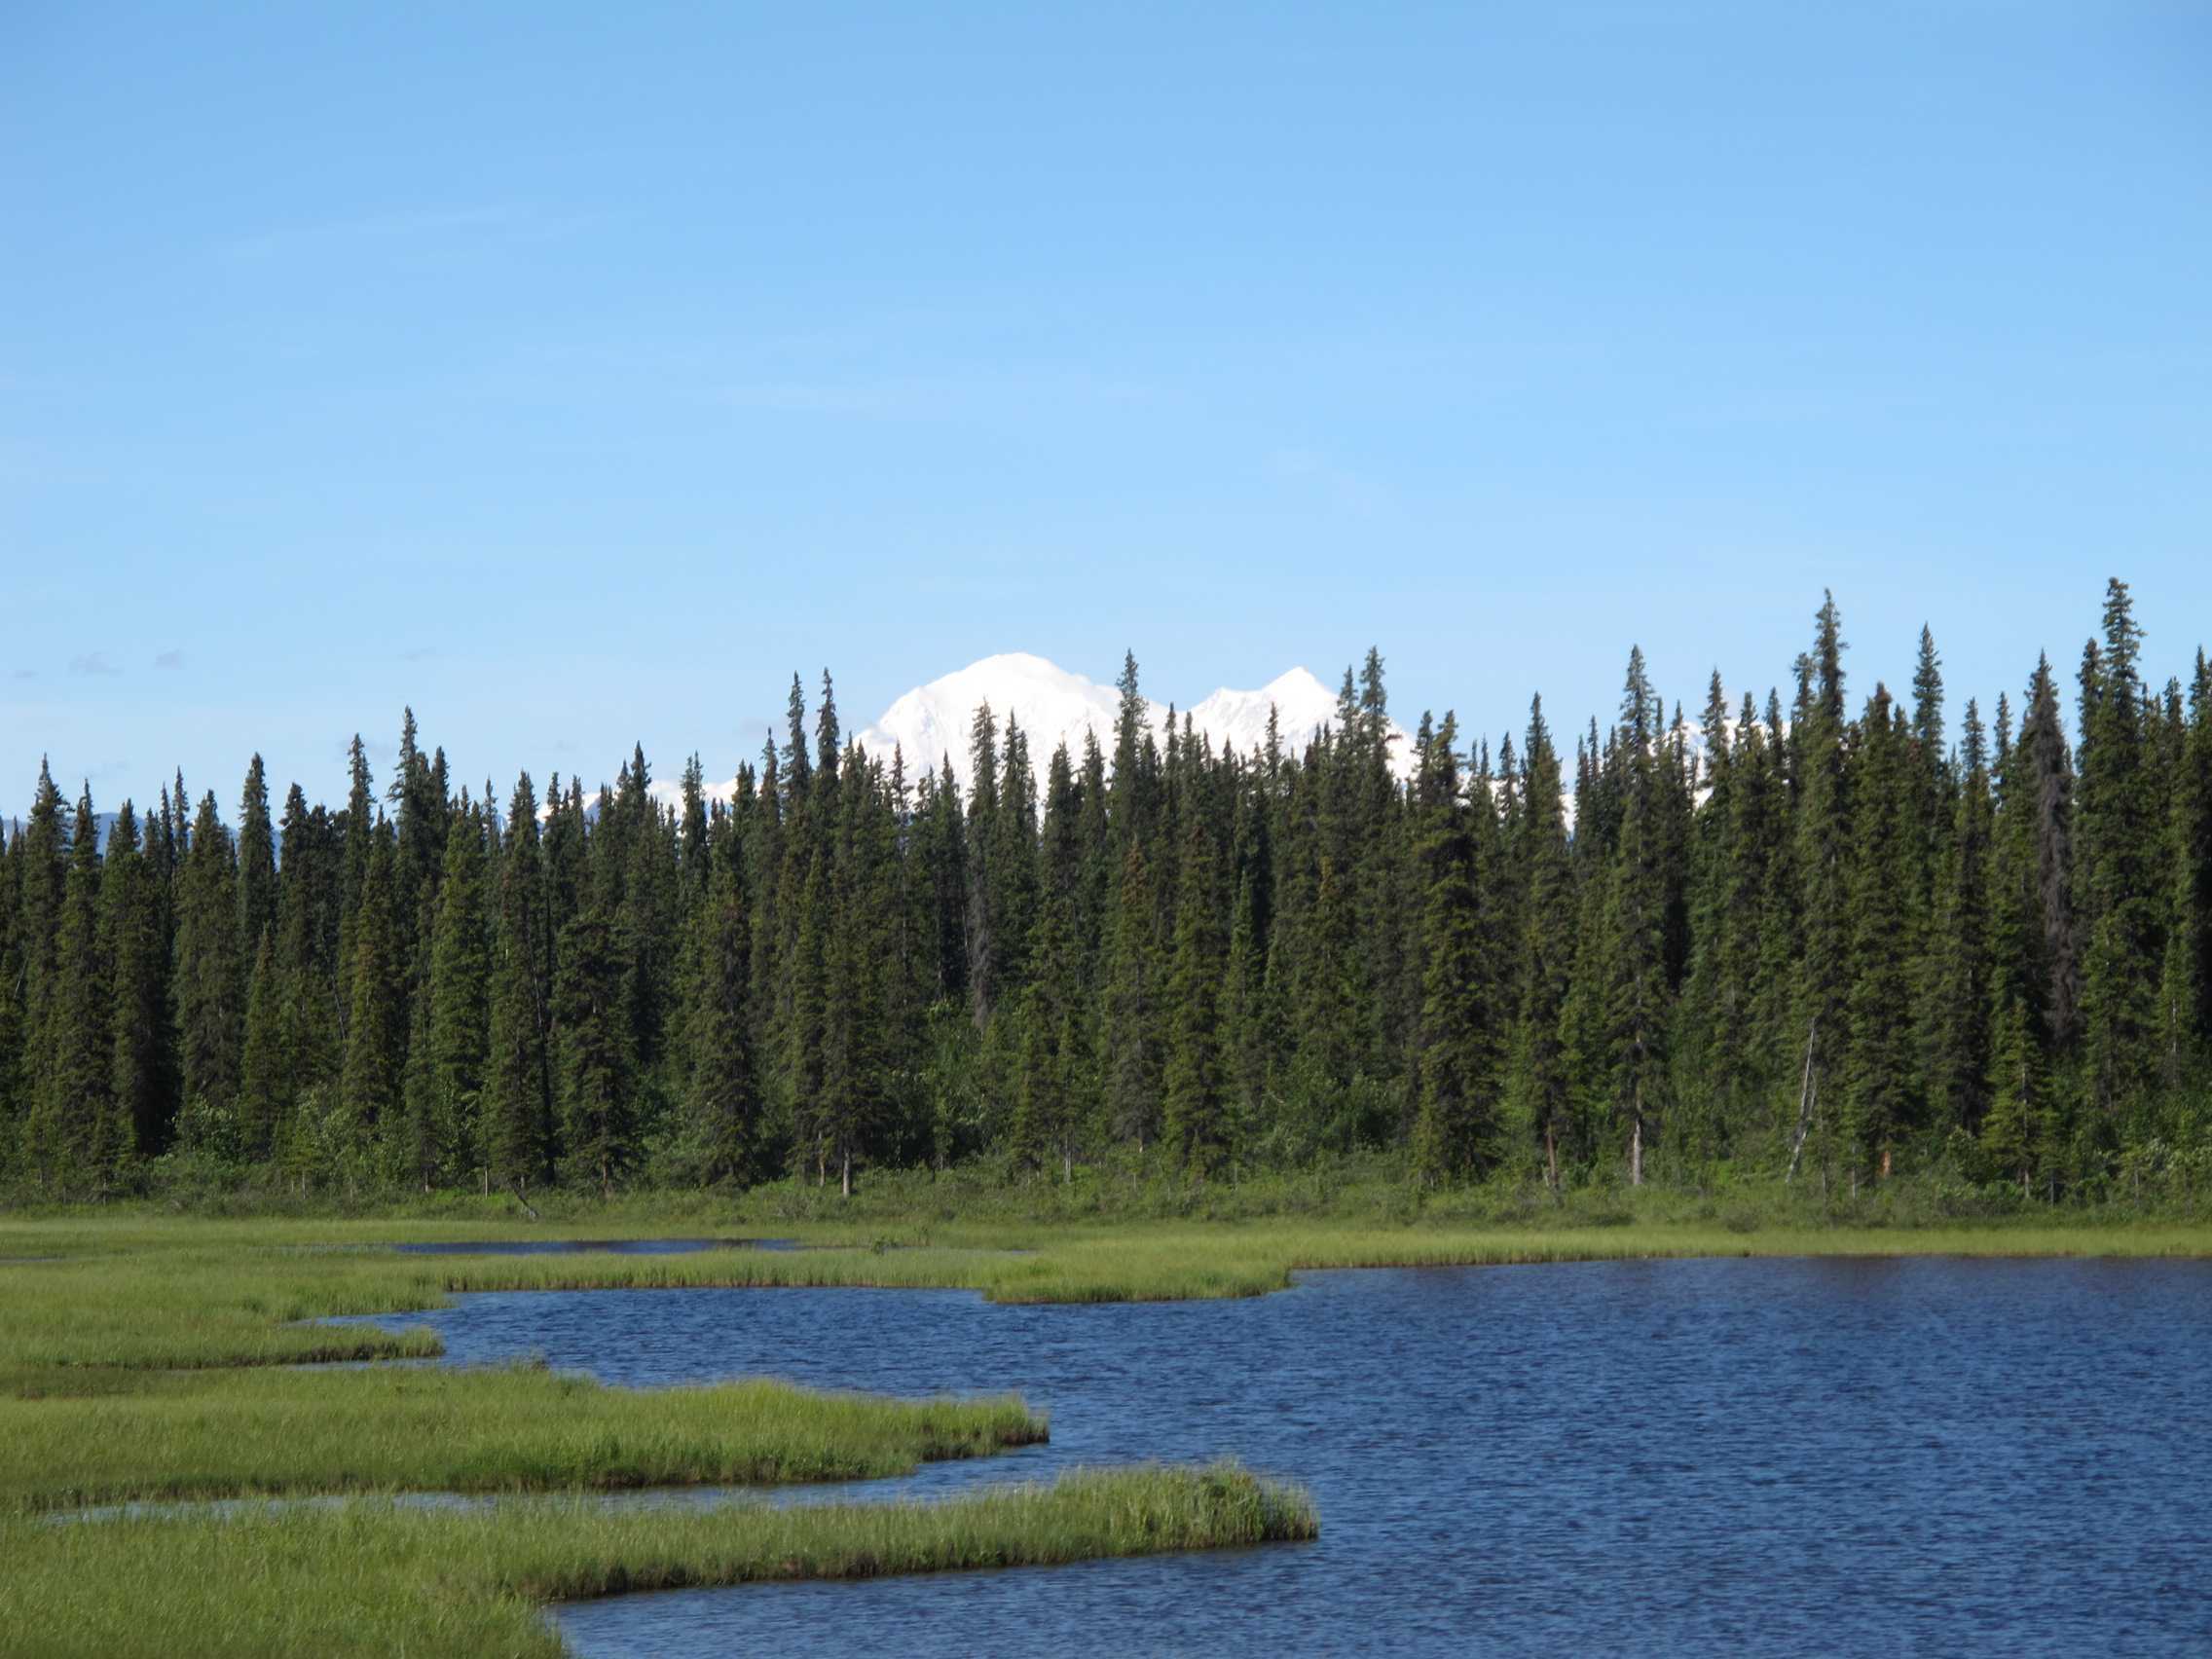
{"x": 206, "y": 1434}
{"x": 161, "y": 1360}
{"x": 369, "y": 1579}
{"x": 158, "y": 1358}
{"x": 173, "y": 1293}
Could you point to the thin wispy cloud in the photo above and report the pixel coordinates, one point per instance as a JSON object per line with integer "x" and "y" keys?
{"x": 93, "y": 662}
{"x": 421, "y": 654}
{"x": 24, "y": 674}
{"x": 170, "y": 660}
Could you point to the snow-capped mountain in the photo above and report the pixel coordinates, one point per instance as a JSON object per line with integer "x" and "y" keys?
{"x": 1054, "y": 706}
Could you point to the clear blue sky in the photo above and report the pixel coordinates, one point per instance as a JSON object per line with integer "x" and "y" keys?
{"x": 575, "y": 372}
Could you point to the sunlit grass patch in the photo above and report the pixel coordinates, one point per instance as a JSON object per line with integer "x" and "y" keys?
{"x": 369, "y": 1579}
{"x": 212, "y": 1434}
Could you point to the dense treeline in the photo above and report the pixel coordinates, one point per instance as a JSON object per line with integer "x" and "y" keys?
{"x": 1822, "y": 942}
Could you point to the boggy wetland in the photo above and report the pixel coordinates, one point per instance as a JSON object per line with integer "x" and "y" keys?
{"x": 1652, "y": 1439}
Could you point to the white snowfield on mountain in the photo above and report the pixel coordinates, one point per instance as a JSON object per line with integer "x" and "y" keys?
{"x": 934, "y": 722}
{"x": 1052, "y": 706}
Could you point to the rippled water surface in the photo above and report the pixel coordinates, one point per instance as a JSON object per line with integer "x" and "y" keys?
{"x": 1804, "y": 1457}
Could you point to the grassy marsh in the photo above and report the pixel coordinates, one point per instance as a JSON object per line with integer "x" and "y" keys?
{"x": 137, "y": 1291}
{"x": 210, "y": 1434}
{"x": 154, "y": 1355}
{"x": 369, "y": 1579}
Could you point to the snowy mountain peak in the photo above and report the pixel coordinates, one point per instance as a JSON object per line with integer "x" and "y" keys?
{"x": 933, "y": 722}
{"x": 1300, "y": 703}
{"x": 1052, "y": 706}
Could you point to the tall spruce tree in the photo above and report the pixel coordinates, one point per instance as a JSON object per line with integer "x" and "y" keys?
{"x": 2121, "y": 837}
{"x": 309, "y": 930}
{"x": 1547, "y": 944}
{"x": 1824, "y": 860}
{"x": 597, "y": 1075}
{"x": 38, "y": 863}
{"x": 266, "y": 1097}
{"x": 369, "y": 1084}
{"x": 1960, "y": 991}
{"x": 1053, "y": 1108}
{"x": 139, "y": 1072}
{"x": 353, "y": 869}
{"x": 2187, "y": 996}
{"x": 2046, "y": 818}
{"x": 723, "y": 1097}
{"x": 70, "y": 1143}
{"x": 517, "y": 1100}
{"x": 459, "y": 997}
{"x": 257, "y": 859}
{"x": 1195, "y": 1103}
{"x": 1131, "y": 1046}
{"x": 210, "y": 976}
{"x": 984, "y": 841}
{"x": 1456, "y": 1131}
{"x": 1634, "y": 927}
{"x": 1879, "y": 1064}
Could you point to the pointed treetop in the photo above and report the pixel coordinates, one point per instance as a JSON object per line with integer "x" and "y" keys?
{"x": 84, "y": 829}
{"x": 1827, "y": 660}
{"x": 1928, "y": 698}
{"x": 1636, "y": 702}
{"x": 1976, "y": 754}
{"x": 795, "y": 762}
{"x": 826, "y": 730}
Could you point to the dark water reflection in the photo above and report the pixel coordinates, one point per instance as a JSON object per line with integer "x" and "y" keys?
{"x": 1802, "y": 1457}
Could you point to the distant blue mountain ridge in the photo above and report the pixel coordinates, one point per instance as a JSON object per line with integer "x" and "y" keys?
{"x": 105, "y": 820}
{"x": 13, "y": 827}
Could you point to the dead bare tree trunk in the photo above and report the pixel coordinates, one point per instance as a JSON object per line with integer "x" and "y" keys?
{"x": 1551, "y": 1157}
{"x": 1806, "y": 1095}
{"x": 515, "y": 1181}
{"x": 1635, "y": 1151}
{"x": 845, "y": 1176}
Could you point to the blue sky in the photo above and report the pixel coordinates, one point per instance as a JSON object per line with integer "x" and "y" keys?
{"x": 576, "y": 373}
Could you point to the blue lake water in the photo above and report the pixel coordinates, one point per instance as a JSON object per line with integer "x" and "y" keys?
{"x": 1694, "y": 1458}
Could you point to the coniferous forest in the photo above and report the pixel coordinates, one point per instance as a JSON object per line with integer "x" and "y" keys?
{"x": 1833, "y": 936}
